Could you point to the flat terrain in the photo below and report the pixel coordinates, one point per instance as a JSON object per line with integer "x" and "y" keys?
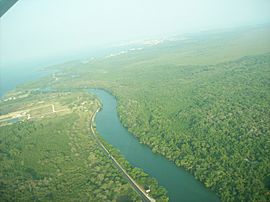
{"x": 49, "y": 153}
{"x": 202, "y": 102}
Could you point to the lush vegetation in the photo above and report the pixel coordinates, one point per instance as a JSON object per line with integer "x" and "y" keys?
{"x": 55, "y": 158}
{"x": 142, "y": 178}
{"x": 215, "y": 124}
{"x": 203, "y": 103}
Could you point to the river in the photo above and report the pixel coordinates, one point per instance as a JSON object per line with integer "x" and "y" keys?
{"x": 181, "y": 185}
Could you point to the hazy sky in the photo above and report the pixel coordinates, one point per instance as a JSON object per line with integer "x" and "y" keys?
{"x": 40, "y": 29}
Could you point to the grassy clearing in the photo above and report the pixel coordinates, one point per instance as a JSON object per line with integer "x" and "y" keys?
{"x": 203, "y": 103}
{"x": 54, "y": 159}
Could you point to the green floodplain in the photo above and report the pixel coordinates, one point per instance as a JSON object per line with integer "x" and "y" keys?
{"x": 202, "y": 102}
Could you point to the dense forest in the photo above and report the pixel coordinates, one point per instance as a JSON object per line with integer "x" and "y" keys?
{"x": 202, "y": 103}
{"x": 54, "y": 158}
{"x": 211, "y": 120}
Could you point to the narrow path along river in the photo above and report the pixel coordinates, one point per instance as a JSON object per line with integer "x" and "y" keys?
{"x": 181, "y": 185}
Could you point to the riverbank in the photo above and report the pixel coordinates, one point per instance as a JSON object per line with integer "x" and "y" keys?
{"x": 51, "y": 157}
{"x": 145, "y": 197}
{"x": 181, "y": 185}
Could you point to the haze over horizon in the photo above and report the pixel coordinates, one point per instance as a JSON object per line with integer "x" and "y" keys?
{"x": 38, "y": 30}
